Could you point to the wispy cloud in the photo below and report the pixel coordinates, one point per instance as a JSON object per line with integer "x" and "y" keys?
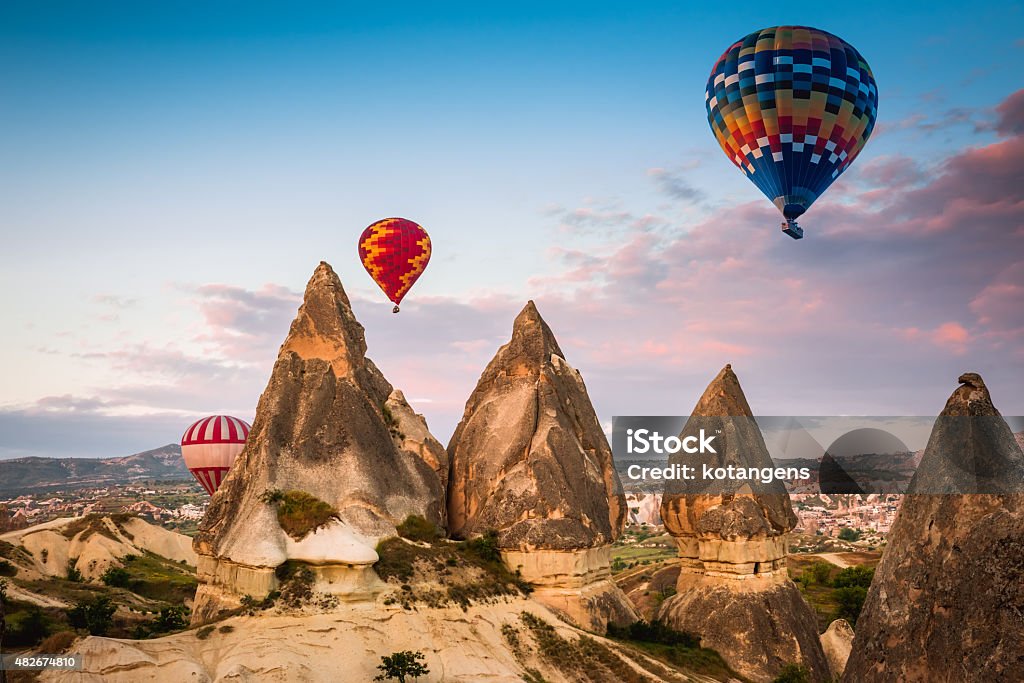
{"x": 907, "y": 277}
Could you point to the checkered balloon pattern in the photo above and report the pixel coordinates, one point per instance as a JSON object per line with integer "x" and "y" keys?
{"x": 792, "y": 107}
{"x": 395, "y": 252}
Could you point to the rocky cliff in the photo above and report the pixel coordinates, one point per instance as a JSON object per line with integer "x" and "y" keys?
{"x": 530, "y": 461}
{"x": 335, "y": 455}
{"x": 503, "y": 642}
{"x": 733, "y": 590}
{"x": 947, "y": 600}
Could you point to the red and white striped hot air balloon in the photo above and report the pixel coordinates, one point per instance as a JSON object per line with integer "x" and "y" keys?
{"x": 210, "y": 446}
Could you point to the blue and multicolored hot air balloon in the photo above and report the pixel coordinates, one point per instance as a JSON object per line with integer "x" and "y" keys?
{"x": 792, "y": 107}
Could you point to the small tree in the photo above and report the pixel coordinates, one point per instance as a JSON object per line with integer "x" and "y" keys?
{"x": 117, "y": 577}
{"x": 73, "y": 573}
{"x": 850, "y": 601}
{"x": 849, "y": 534}
{"x": 96, "y": 615}
{"x": 817, "y": 573}
{"x": 399, "y": 665}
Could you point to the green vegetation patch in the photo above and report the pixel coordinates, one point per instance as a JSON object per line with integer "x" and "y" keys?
{"x": 14, "y": 552}
{"x": 438, "y": 572}
{"x": 299, "y": 513}
{"x": 677, "y": 648}
{"x": 834, "y": 593}
{"x": 793, "y": 673}
{"x": 416, "y": 528}
{"x": 168, "y": 620}
{"x": 584, "y": 659}
{"x": 155, "y": 578}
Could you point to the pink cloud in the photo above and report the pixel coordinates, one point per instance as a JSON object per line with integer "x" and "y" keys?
{"x": 951, "y": 335}
{"x": 907, "y": 277}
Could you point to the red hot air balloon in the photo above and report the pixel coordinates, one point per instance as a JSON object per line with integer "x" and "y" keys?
{"x": 210, "y": 446}
{"x": 395, "y": 252}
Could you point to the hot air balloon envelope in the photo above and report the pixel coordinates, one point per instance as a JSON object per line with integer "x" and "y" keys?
{"x": 210, "y": 446}
{"x": 395, "y": 252}
{"x": 792, "y": 107}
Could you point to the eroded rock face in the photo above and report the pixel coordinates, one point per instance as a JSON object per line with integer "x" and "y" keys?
{"x": 529, "y": 458}
{"x": 328, "y": 424}
{"x": 733, "y": 590}
{"x": 947, "y": 600}
{"x": 746, "y": 524}
{"x": 836, "y": 641}
{"x": 530, "y": 461}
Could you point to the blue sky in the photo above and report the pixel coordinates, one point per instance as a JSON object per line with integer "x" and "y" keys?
{"x": 152, "y": 151}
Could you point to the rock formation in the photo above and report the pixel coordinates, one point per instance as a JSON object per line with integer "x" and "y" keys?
{"x": 502, "y": 642}
{"x": 530, "y": 461}
{"x": 92, "y": 545}
{"x": 947, "y": 600}
{"x": 733, "y": 589}
{"x": 328, "y": 425}
{"x": 836, "y": 641}
{"x": 644, "y": 508}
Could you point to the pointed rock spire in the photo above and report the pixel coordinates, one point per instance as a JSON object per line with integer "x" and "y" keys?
{"x": 732, "y": 540}
{"x": 723, "y": 411}
{"x": 529, "y": 458}
{"x": 947, "y": 600}
{"x": 323, "y": 427}
{"x": 530, "y": 461}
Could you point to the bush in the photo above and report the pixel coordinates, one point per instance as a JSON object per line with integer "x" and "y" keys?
{"x": 116, "y": 577}
{"x": 485, "y": 547}
{"x": 675, "y": 647}
{"x": 849, "y": 534}
{"x": 792, "y": 673}
{"x": 653, "y": 632}
{"x": 853, "y": 577}
{"x": 7, "y": 569}
{"x": 299, "y": 513}
{"x": 204, "y": 632}
{"x": 170, "y": 619}
{"x": 851, "y": 601}
{"x": 398, "y": 666}
{"x": 297, "y": 588}
{"x": 73, "y": 573}
{"x": 173, "y": 618}
{"x": 96, "y": 615}
{"x": 416, "y": 528}
{"x": 27, "y": 627}
{"x": 818, "y": 572}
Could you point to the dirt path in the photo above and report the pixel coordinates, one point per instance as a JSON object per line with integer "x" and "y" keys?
{"x": 16, "y": 592}
{"x": 835, "y": 559}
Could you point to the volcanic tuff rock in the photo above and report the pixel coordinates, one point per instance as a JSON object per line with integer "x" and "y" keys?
{"x": 93, "y": 544}
{"x": 947, "y": 600}
{"x": 330, "y": 425}
{"x": 530, "y": 461}
{"x": 506, "y": 641}
{"x": 836, "y": 641}
{"x": 733, "y": 590}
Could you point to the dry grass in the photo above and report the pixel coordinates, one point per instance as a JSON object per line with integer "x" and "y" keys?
{"x": 437, "y": 572}
{"x": 57, "y": 643}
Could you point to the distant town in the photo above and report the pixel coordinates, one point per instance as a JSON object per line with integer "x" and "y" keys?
{"x": 177, "y": 505}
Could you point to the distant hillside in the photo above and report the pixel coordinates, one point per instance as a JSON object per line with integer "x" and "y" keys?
{"x": 35, "y": 474}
